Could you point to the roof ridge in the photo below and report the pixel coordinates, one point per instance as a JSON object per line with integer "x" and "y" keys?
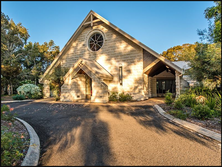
{"x": 143, "y": 46}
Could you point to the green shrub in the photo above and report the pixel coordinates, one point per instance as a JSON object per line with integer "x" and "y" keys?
{"x": 18, "y": 97}
{"x": 11, "y": 145}
{"x": 178, "y": 114}
{"x": 178, "y": 104}
{"x": 125, "y": 97}
{"x": 41, "y": 87}
{"x": 188, "y": 99}
{"x": 113, "y": 96}
{"x": 202, "y": 112}
{"x": 35, "y": 96}
{"x": 6, "y": 113}
{"x": 28, "y": 90}
{"x": 168, "y": 98}
{"x": 57, "y": 98}
{"x": 4, "y": 109}
{"x": 211, "y": 102}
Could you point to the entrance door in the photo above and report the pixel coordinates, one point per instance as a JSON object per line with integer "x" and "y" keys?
{"x": 88, "y": 87}
{"x": 163, "y": 85}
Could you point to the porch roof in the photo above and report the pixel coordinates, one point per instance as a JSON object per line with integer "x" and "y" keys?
{"x": 92, "y": 66}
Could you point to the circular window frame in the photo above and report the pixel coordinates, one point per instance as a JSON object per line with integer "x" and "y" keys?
{"x": 90, "y": 34}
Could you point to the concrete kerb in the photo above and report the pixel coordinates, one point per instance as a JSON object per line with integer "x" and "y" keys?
{"x": 15, "y": 101}
{"x": 32, "y": 156}
{"x": 189, "y": 125}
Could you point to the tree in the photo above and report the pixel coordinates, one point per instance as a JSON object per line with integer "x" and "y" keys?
{"x": 180, "y": 53}
{"x": 37, "y": 58}
{"x": 50, "y": 51}
{"x": 206, "y": 65}
{"x": 56, "y": 78}
{"x": 19, "y": 60}
{"x": 214, "y": 31}
{"x": 13, "y": 38}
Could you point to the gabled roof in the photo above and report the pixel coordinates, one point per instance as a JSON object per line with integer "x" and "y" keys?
{"x": 92, "y": 66}
{"x": 91, "y": 15}
{"x": 182, "y": 64}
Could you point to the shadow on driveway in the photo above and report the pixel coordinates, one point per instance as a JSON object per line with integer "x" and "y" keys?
{"x": 59, "y": 124}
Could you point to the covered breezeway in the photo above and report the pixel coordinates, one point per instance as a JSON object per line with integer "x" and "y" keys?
{"x": 161, "y": 78}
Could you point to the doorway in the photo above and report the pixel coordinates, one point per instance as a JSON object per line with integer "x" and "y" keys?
{"x": 163, "y": 85}
{"x": 88, "y": 87}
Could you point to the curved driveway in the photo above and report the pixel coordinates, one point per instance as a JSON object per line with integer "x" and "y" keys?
{"x": 113, "y": 134}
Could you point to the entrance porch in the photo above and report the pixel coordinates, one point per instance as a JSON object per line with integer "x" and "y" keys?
{"x": 161, "y": 78}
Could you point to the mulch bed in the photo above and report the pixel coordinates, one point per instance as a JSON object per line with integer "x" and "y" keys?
{"x": 213, "y": 124}
{"x": 18, "y": 127}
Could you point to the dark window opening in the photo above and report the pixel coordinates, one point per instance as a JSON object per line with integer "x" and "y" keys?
{"x": 121, "y": 75}
{"x": 163, "y": 85}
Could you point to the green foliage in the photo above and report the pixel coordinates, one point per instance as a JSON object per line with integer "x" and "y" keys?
{"x": 217, "y": 108}
{"x": 11, "y": 145}
{"x": 206, "y": 65}
{"x": 29, "y": 90}
{"x": 211, "y": 102}
{"x": 35, "y": 96}
{"x": 6, "y": 113}
{"x": 36, "y": 58}
{"x": 188, "y": 99}
{"x": 168, "y": 98}
{"x": 113, "y": 96}
{"x": 19, "y": 60}
{"x": 18, "y": 97}
{"x": 213, "y": 96}
{"x": 27, "y": 81}
{"x": 215, "y": 13}
{"x": 179, "y": 114}
{"x": 56, "y": 79}
{"x": 178, "y": 104}
{"x": 41, "y": 87}
{"x": 13, "y": 38}
{"x": 4, "y": 108}
{"x": 202, "y": 112}
{"x": 125, "y": 97}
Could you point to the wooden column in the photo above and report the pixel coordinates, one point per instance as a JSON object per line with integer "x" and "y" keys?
{"x": 177, "y": 81}
{"x": 46, "y": 89}
{"x": 149, "y": 86}
{"x": 153, "y": 87}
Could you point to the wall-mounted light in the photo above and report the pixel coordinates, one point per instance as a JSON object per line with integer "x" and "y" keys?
{"x": 121, "y": 75}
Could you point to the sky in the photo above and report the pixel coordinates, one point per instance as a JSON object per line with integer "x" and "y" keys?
{"x": 159, "y": 25}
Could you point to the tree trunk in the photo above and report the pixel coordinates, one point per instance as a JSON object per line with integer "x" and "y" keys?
{"x": 8, "y": 89}
{"x": 3, "y": 90}
{"x": 11, "y": 89}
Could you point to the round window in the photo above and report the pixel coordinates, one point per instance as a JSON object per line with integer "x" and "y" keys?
{"x": 95, "y": 41}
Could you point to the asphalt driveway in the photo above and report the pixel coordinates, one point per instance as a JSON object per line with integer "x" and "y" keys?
{"x": 112, "y": 134}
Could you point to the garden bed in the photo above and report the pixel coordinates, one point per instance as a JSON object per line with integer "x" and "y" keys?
{"x": 213, "y": 124}
{"x": 19, "y": 128}
{"x": 15, "y": 138}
